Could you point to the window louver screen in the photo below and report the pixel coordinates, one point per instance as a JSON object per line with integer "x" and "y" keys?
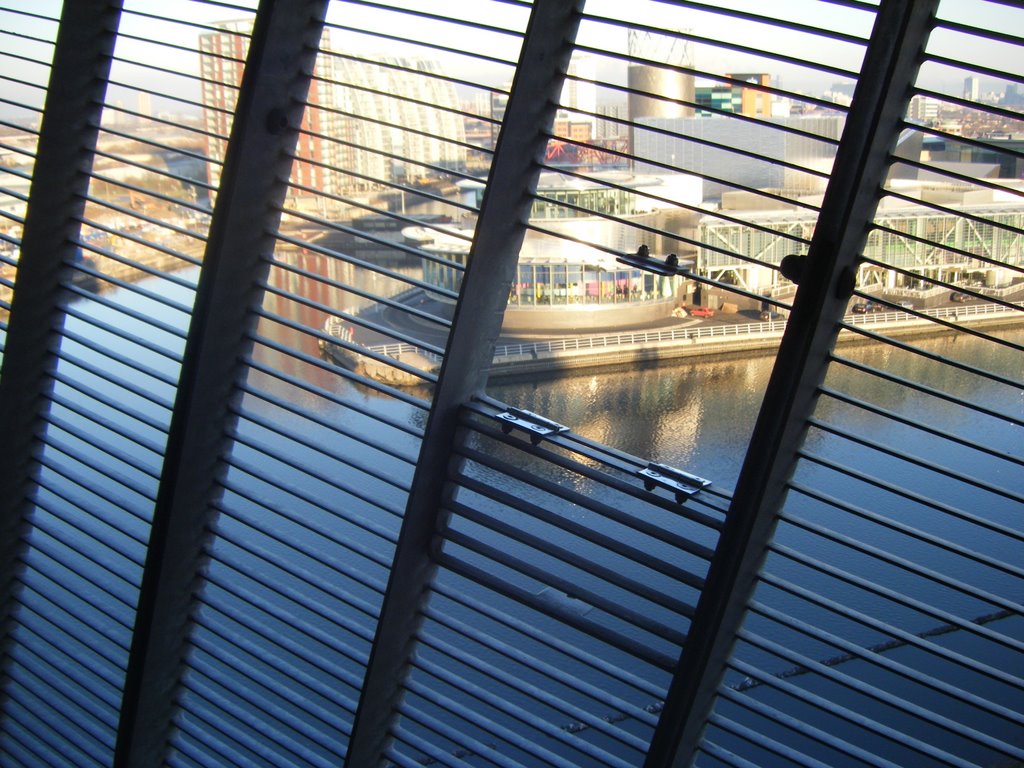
{"x": 27, "y": 54}
{"x": 890, "y": 597}
{"x": 381, "y": 384}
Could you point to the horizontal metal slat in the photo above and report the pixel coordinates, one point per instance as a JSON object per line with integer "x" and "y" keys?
{"x": 205, "y": 712}
{"x": 917, "y": 498}
{"x": 130, "y": 313}
{"x": 339, "y": 606}
{"x": 41, "y": 735}
{"x": 288, "y": 557}
{"x": 278, "y": 681}
{"x": 39, "y": 588}
{"x": 388, "y": 330}
{"x": 573, "y": 714}
{"x": 526, "y": 719}
{"x": 425, "y": 377}
{"x": 774, "y": 749}
{"x": 335, "y": 398}
{"x": 609, "y": 457}
{"x": 606, "y": 542}
{"x": 223, "y": 577}
{"x": 67, "y": 378}
{"x": 100, "y": 587}
{"x": 61, "y": 710}
{"x": 382, "y": 531}
{"x": 901, "y": 637}
{"x": 422, "y": 746}
{"x": 495, "y": 730}
{"x": 895, "y": 453}
{"x": 534, "y": 636}
{"x": 50, "y": 520}
{"x": 486, "y": 579}
{"x": 55, "y": 481}
{"x": 517, "y": 657}
{"x": 99, "y": 667}
{"x": 853, "y": 651}
{"x": 394, "y": 393}
{"x": 341, "y": 429}
{"x": 897, "y": 597}
{"x": 375, "y": 472}
{"x": 224, "y": 622}
{"x": 23, "y": 749}
{"x": 907, "y": 708}
{"x": 806, "y": 729}
{"x": 907, "y": 566}
{"x": 565, "y": 554}
{"x": 909, "y": 531}
{"x": 609, "y": 604}
{"x": 113, "y": 449}
{"x": 96, "y": 416}
{"x": 45, "y": 660}
{"x": 63, "y": 456}
{"x": 924, "y": 388}
{"x": 368, "y": 237}
{"x": 277, "y": 732}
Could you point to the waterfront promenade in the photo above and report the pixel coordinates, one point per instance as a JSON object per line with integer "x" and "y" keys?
{"x": 689, "y": 337}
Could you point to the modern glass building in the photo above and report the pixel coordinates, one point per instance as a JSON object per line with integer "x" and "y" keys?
{"x": 601, "y": 215}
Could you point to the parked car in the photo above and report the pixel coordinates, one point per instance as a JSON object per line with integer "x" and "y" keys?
{"x": 701, "y": 311}
{"x": 767, "y": 315}
{"x": 863, "y": 307}
{"x": 959, "y": 297}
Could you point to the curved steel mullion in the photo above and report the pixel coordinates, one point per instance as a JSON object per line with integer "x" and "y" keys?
{"x": 890, "y": 66}
{"x": 281, "y": 55}
{"x": 500, "y": 230}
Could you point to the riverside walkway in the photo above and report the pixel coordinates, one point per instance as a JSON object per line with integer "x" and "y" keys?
{"x": 688, "y": 338}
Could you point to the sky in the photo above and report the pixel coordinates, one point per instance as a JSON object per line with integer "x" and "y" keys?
{"x": 182, "y": 19}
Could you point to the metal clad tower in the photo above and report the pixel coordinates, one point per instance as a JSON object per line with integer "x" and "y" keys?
{"x": 655, "y": 69}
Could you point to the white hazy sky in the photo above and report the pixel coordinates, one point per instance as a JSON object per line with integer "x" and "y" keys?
{"x": 182, "y": 15}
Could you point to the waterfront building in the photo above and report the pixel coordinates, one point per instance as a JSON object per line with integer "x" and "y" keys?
{"x": 739, "y": 99}
{"x": 707, "y": 143}
{"x": 659, "y": 85}
{"x": 921, "y": 245}
{"x": 221, "y": 63}
{"x": 352, "y": 121}
{"x": 972, "y": 88}
{"x": 377, "y": 127}
{"x": 568, "y": 277}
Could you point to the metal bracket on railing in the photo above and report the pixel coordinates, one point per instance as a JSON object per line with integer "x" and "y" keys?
{"x": 642, "y": 259}
{"x": 682, "y": 484}
{"x": 538, "y": 426}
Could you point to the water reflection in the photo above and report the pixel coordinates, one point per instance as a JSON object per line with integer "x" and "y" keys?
{"x": 696, "y": 416}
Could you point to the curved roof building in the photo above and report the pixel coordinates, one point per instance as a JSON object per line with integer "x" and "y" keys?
{"x": 568, "y": 276}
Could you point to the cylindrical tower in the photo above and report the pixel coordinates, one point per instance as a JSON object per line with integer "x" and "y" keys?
{"x": 662, "y": 79}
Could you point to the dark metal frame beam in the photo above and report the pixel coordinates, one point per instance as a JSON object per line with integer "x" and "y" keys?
{"x": 67, "y": 142}
{"x": 279, "y": 65}
{"x": 500, "y": 230}
{"x": 826, "y": 281}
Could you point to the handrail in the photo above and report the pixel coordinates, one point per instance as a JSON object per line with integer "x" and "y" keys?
{"x": 731, "y": 330}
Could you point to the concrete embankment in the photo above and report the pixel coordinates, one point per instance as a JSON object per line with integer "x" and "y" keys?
{"x": 581, "y": 356}
{"x": 755, "y": 338}
{"x": 689, "y": 340}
